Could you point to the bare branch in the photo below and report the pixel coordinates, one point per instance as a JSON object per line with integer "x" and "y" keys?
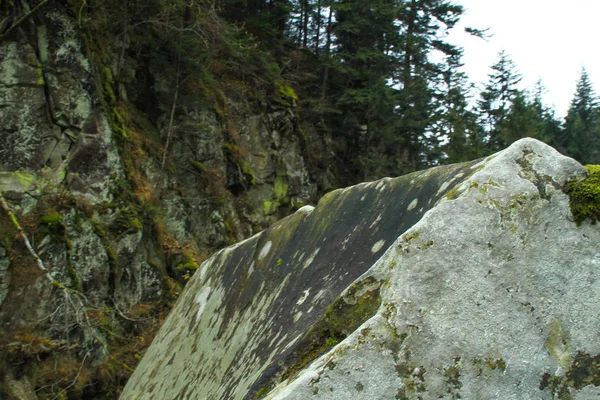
{"x": 24, "y": 18}
{"x": 74, "y": 380}
{"x": 15, "y": 222}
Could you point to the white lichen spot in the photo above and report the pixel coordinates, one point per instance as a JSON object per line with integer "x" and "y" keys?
{"x": 377, "y": 246}
{"x": 303, "y": 298}
{"x": 201, "y": 299}
{"x": 311, "y": 258}
{"x": 298, "y": 316}
{"x": 376, "y": 221}
{"x": 290, "y": 344}
{"x": 319, "y": 295}
{"x": 459, "y": 175}
{"x": 265, "y": 250}
{"x": 272, "y": 342}
{"x": 346, "y": 241}
{"x": 363, "y": 197}
{"x": 307, "y": 210}
{"x": 480, "y": 164}
{"x": 443, "y": 187}
{"x": 204, "y": 268}
{"x": 412, "y": 205}
{"x": 380, "y": 185}
{"x": 251, "y": 269}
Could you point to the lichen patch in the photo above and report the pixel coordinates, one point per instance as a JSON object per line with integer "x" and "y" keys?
{"x": 413, "y": 204}
{"x": 201, "y": 299}
{"x": 303, "y": 298}
{"x": 311, "y": 258}
{"x": 377, "y": 246}
{"x": 265, "y": 250}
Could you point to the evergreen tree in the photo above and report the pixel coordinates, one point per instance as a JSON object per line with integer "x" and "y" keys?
{"x": 364, "y": 36}
{"x": 581, "y": 136}
{"x": 520, "y": 121}
{"x": 457, "y": 123}
{"x": 550, "y": 125}
{"x": 423, "y": 24}
{"x": 496, "y": 100}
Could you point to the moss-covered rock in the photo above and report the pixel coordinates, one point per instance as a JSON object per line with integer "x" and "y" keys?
{"x": 267, "y": 307}
{"x": 585, "y": 196}
{"x": 456, "y": 282}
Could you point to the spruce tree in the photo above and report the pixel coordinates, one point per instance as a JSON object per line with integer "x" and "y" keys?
{"x": 581, "y": 137}
{"x": 422, "y": 30}
{"x": 457, "y": 122}
{"x": 496, "y": 100}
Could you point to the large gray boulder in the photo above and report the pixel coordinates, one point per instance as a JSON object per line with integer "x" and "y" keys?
{"x": 465, "y": 281}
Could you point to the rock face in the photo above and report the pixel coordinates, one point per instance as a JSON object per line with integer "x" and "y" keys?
{"x": 84, "y": 171}
{"x": 465, "y": 281}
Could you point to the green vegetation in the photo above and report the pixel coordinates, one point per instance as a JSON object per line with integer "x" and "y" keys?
{"x": 584, "y": 196}
{"x": 52, "y": 223}
{"x": 583, "y": 371}
{"x": 341, "y": 318}
{"x": 262, "y": 392}
{"x": 375, "y": 79}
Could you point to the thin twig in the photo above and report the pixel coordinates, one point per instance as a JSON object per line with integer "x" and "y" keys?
{"x": 24, "y": 18}
{"x": 76, "y": 377}
{"x": 123, "y": 314}
{"x": 170, "y": 129}
{"x": 16, "y": 224}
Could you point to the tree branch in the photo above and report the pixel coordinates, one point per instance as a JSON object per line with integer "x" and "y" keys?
{"x": 24, "y": 18}
{"x": 15, "y": 222}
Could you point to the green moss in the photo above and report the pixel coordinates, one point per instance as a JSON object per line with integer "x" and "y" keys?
{"x": 107, "y": 85}
{"x": 285, "y": 95}
{"x": 40, "y": 80}
{"x": 496, "y": 363}
{"x": 280, "y": 195}
{"x": 98, "y": 229}
{"x": 127, "y": 220}
{"x": 583, "y": 371}
{"x": 262, "y": 392}
{"x": 71, "y": 272}
{"x": 343, "y": 317}
{"x": 269, "y": 207}
{"x": 558, "y": 344}
{"x": 52, "y": 223}
{"x": 58, "y": 285}
{"x": 452, "y": 377}
{"x": 486, "y": 366}
{"x": 188, "y": 268}
{"x": 453, "y": 193}
{"x": 188, "y": 265}
{"x": 584, "y": 196}
{"x": 410, "y": 236}
{"x": 280, "y": 188}
{"x": 198, "y": 166}
{"x": 234, "y": 153}
{"x": 427, "y": 244}
{"x": 25, "y": 178}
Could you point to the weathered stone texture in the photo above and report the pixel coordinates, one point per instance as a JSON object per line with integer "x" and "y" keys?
{"x": 487, "y": 289}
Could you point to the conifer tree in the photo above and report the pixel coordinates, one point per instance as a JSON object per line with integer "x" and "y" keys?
{"x": 550, "y": 127}
{"x": 457, "y": 122}
{"x": 422, "y": 28}
{"x": 581, "y": 136}
{"x": 496, "y": 100}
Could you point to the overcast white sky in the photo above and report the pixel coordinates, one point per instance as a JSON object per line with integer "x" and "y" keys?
{"x": 547, "y": 39}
